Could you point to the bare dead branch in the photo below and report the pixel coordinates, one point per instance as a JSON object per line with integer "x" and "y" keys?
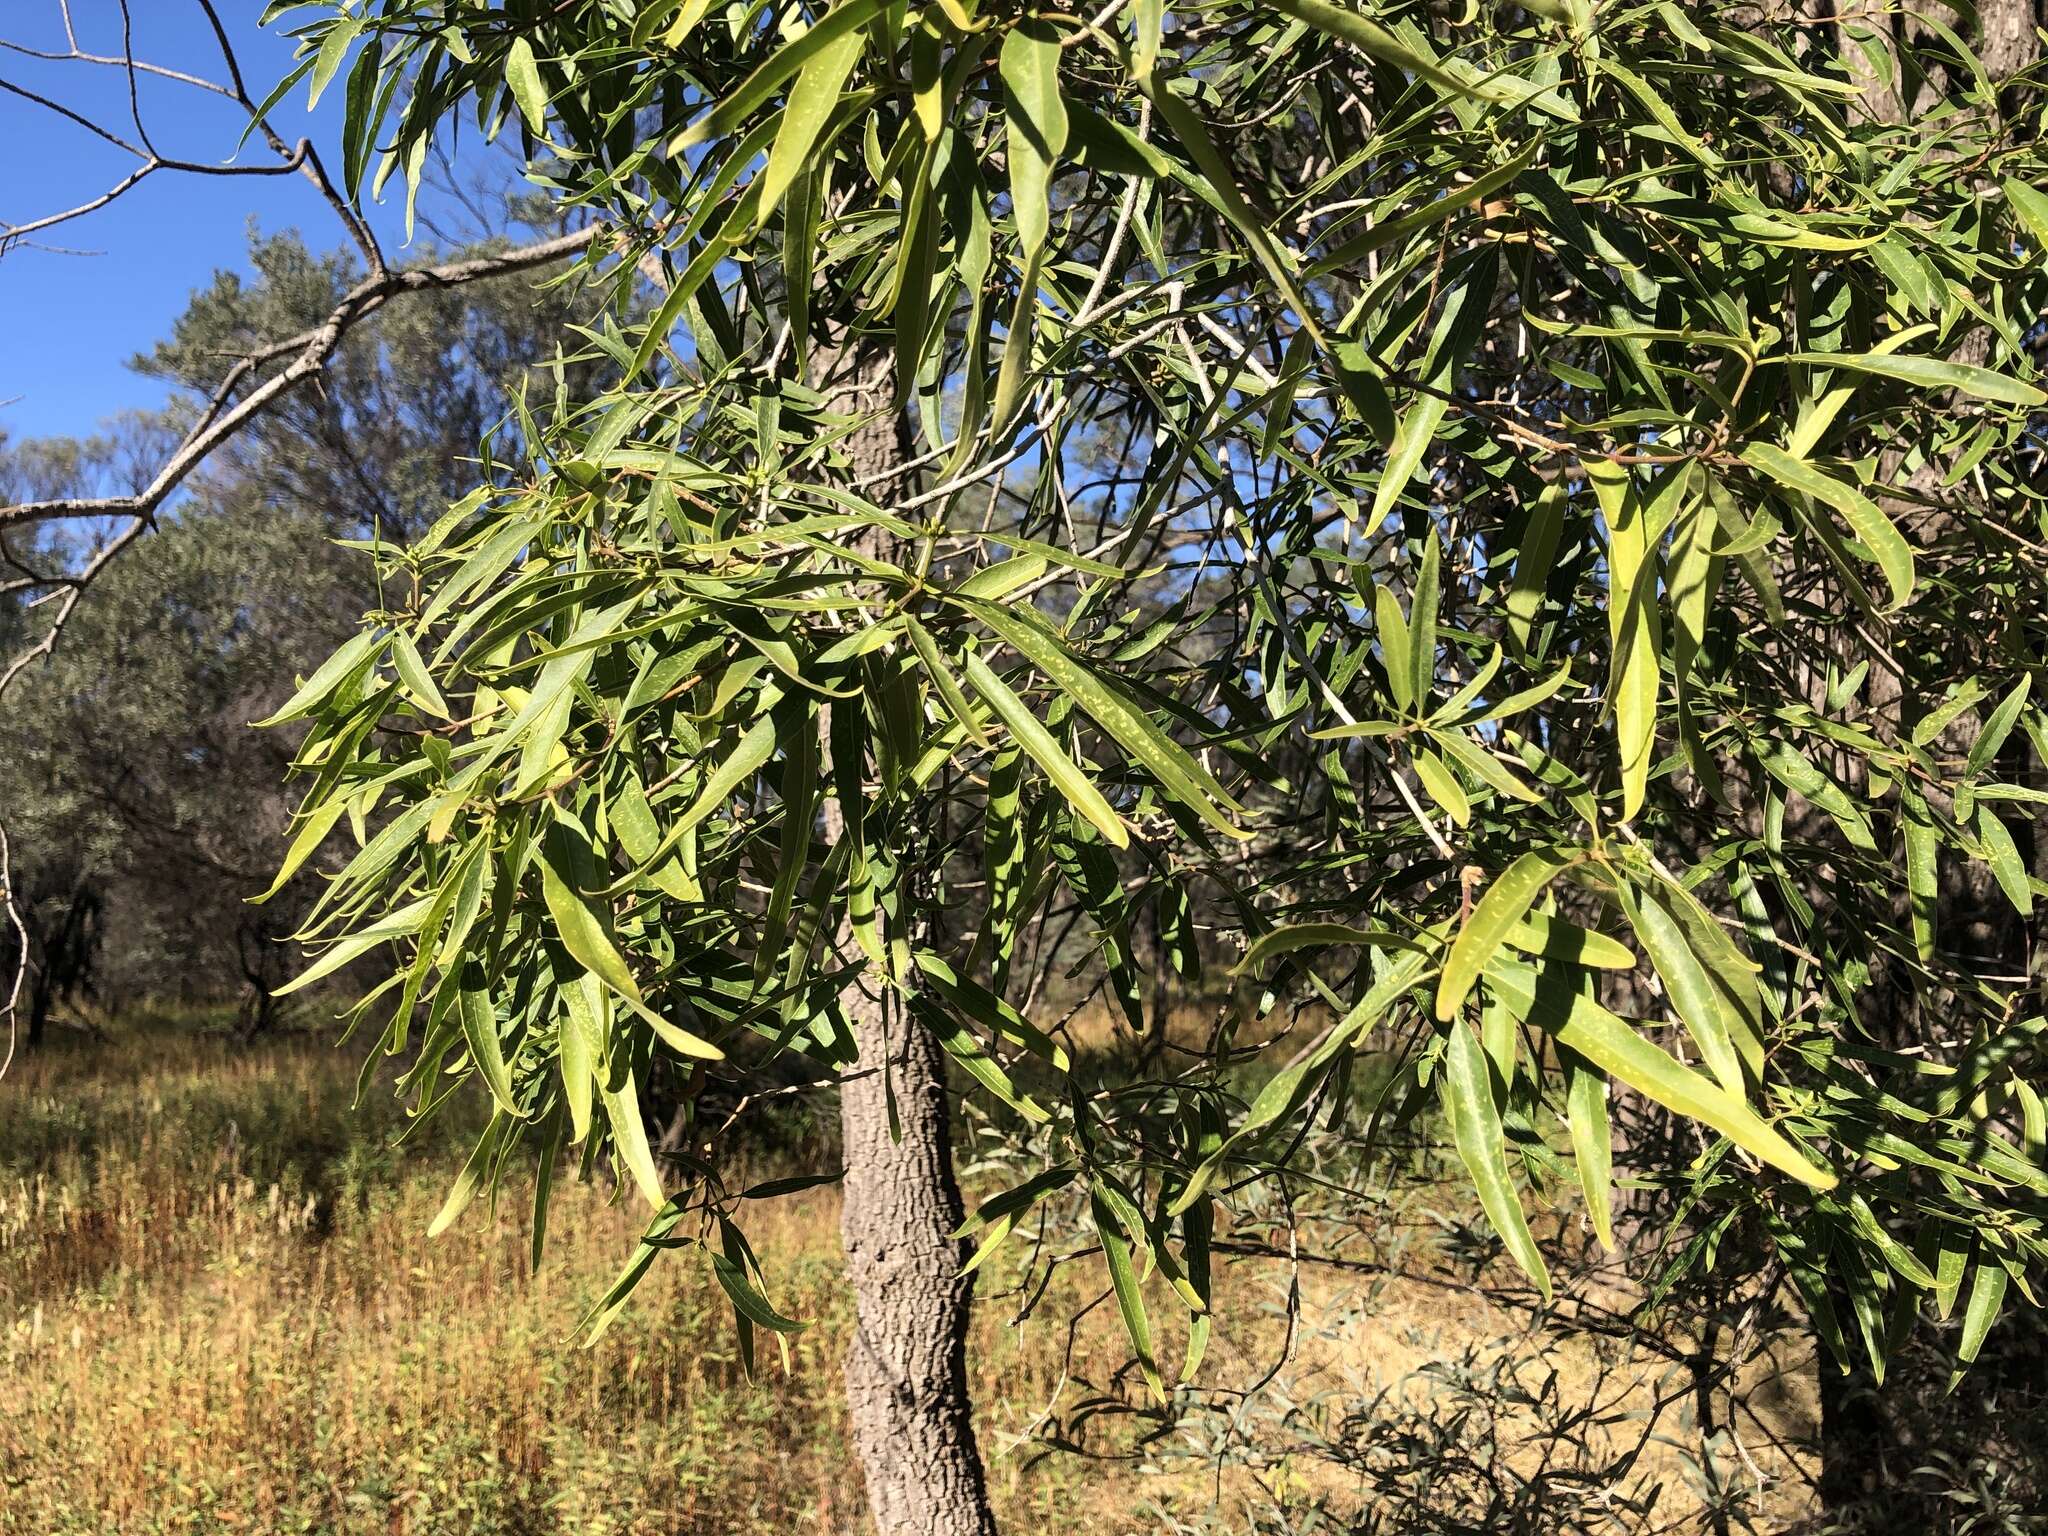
{"x": 315, "y": 348}
{"x": 13, "y": 915}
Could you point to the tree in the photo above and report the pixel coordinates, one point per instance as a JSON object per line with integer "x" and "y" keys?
{"x": 1526, "y": 523}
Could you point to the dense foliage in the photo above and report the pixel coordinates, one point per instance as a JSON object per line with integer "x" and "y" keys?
{"x": 1525, "y": 524}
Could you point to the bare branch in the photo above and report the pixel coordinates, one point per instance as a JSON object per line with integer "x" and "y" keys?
{"x": 13, "y": 915}
{"x": 315, "y": 349}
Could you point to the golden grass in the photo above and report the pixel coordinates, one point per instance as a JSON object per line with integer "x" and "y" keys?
{"x": 219, "y": 1311}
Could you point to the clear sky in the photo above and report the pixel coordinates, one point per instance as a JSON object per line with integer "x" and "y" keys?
{"x": 69, "y": 322}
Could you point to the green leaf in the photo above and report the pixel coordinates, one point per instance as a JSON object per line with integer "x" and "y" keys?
{"x": 1376, "y": 42}
{"x": 1535, "y": 556}
{"x": 471, "y": 1179}
{"x": 747, "y": 757}
{"x": 1442, "y": 785}
{"x": 753, "y": 92}
{"x": 328, "y": 677}
{"x": 313, "y": 830}
{"x": 2030, "y": 207}
{"x": 1691, "y": 990}
{"x": 1554, "y": 938}
{"x": 1792, "y": 768}
{"x": 990, "y": 1011}
{"x": 948, "y": 686}
{"x": 608, "y": 1307}
{"x": 1185, "y": 126}
{"x": 746, "y": 1299}
{"x": 1465, "y": 1082}
{"x": 1422, "y": 626}
{"x": 1923, "y": 882}
{"x": 812, "y": 101}
{"x": 412, "y": 671}
{"x": 1887, "y": 546}
{"x": 522, "y": 74}
{"x": 1585, "y": 1098}
{"x": 2003, "y": 856}
{"x": 1103, "y": 144}
{"x": 1159, "y": 754}
{"x": 580, "y": 1045}
{"x": 1928, "y": 373}
{"x": 1397, "y": 650}
{"x": 1609, "y": 1043}
{"x": 674, "y": 1036}
{"x": 629, "y": 1134}
{"x": 962, "y": 1044}
{"x": 1289, "y": 1088}
{"x": 1632, "y": 624}
{"x": 584, "y": 928}
{"x": 998, "y": 1215}
{"x": 1411, "y": 443}
{"x": 1130, "y": 1297}
{"x": 480, "y": 1029}
{"x": 1313, "y": 936}
{"x": 333, "y": 49}
{"x": 401, "y": 924}
{"x": 1987, "y": 1296}
{"x": 1951, "y": 1262}
{"x": 1030, "y": 67}
{"x": 1728, "y": 966}
{"x": 1499, "y": 911}
{"x": 1039, "y": 744}
{"x": 1997, "y": 727}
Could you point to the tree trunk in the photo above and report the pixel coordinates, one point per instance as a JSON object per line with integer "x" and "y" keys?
{"x": 906, "y": 1368}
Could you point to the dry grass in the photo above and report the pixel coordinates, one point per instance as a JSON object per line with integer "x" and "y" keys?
{"x": 219, "y": 1311}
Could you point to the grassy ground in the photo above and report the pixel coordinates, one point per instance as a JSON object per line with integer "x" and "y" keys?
{"x": 219, "y": 1311}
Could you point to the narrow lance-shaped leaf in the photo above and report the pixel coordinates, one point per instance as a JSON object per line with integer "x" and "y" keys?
{"x": 583, "y": 927}
{"x": 629, "y": 1133}
{"x": 754, "y": 92}
{"x": 1633, "y": 626}
{"x": 471, "y": 1179}
{"x": 480, "y": 1029}
{"x": 1687, "y": 984}
{"x": 1592, "y": 1142}
{"x": 522, "y": 74}
{"x": 1030, "y": 67}
{"x": 1467, "y": 1091}
{"x": 965, "y": 1047}
{"x": 1130, "y": 1298}
{"x": 1929, "y": 373}
{"x": 1039, "y": 745}
{"x": 1609, "y": 1043}
{"x": 1504, "y": 905}
{"x": 1987, "y": 1296}
{"x": 812, "y": 101}
{"x": 1888, "y": 547}
{"x": 1159, "y": 754}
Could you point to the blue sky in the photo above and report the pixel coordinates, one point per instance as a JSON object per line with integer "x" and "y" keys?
{"x": 69, "y": 322}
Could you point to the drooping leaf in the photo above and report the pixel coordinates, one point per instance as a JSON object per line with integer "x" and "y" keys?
{"x": 1467, "y": 1092}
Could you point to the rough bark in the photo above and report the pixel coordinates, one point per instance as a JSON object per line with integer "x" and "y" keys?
{"x": 906, "y": 1368}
